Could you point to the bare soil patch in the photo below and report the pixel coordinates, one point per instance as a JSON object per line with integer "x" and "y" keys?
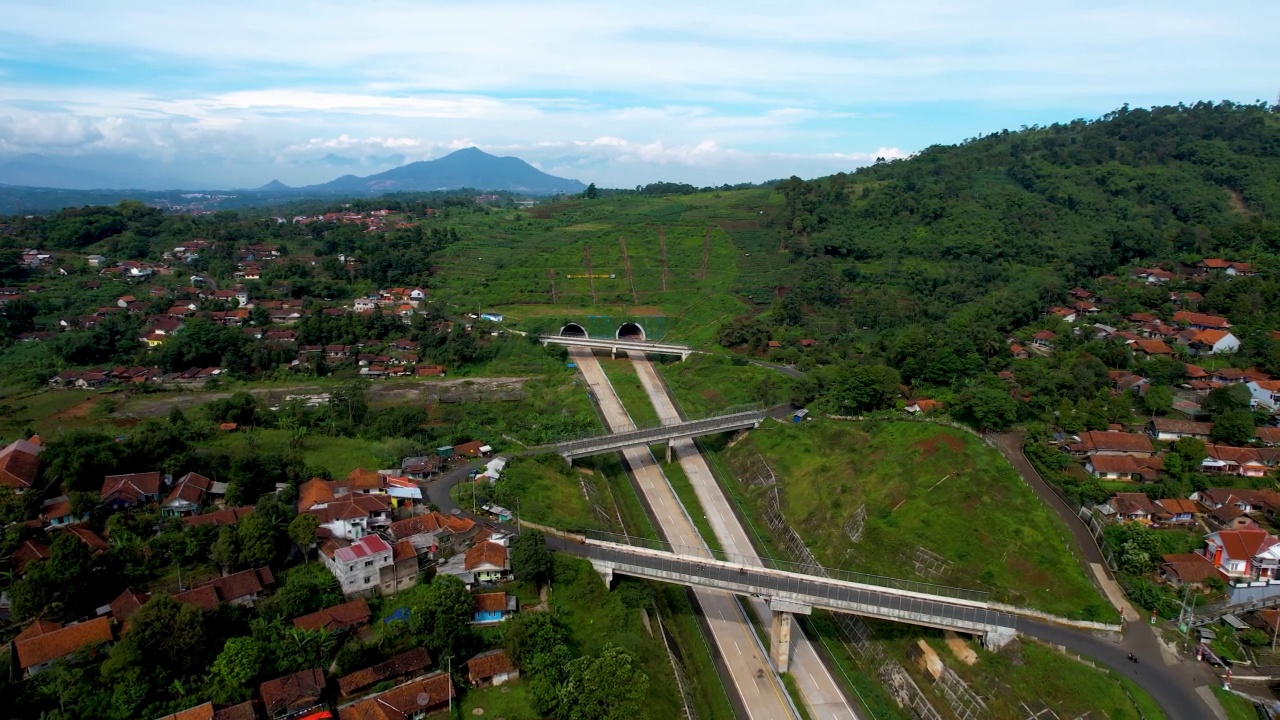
{"x": 79, "y": 410}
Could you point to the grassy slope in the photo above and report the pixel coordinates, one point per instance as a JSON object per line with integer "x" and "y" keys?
{"x": 511, "y": 259}
{"x": 981, "y": 518}
{"x": 706, "y": 384}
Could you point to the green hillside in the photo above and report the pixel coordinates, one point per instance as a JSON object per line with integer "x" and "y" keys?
{"x": 919, "y": 486}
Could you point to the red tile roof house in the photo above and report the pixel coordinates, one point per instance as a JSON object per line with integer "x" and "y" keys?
{"x": 1226, "y": 460}
{"x": 491, "y": 668}
{"x": 1094, "y": 442}
{"x": 1247, "y": 554}
{"x": 1169, "y": 430}
{"x": 487, "y": 562}
{"x": 405, "y": 665}
{"x": 122, "y": 491}
{"x": 352, "y": 516}
{"x": 413, "y": 700}
{"x": 187, "y": 496}
{"x": 293, "y": 695}
{"x": 242, "y": 588}
{"x": 20, "y": 465}
{"x": 43, "y": 643}
{"x": 337, "y": 619}
{"x": 1201, "y": 321}
{"x": 1133, "y": 507}
{"x": 1176, "y": 511}
{"x": 1189, "y": 569}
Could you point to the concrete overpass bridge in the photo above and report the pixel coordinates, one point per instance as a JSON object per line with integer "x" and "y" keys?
{"x": 666, "y": 433}
{"x": 623, "y": 344}
{"x": 789, "y": 592}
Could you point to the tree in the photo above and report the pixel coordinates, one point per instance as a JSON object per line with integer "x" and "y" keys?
{"x": 592, "y": 193}
{"x": 235, "y": 667}
{"x": 301, "y": 649}
{"x": 1234, "y": 427}
{"x": 610, "y": 686}
{"x": 302, "y": 531}
{"x": 530, "y": 558}
{"x": 256, "y": 538}
{"x": 166, "y": 637}
{"x": 1158, "y": 399}
{"x": 442, "y": 616}
{"x": 225, "y": 551}
{"x": 1235, "y": 396}
{"x": 861, "y": 388}
{"x": 63, "y": 584}
{"x": 988, "y": 408}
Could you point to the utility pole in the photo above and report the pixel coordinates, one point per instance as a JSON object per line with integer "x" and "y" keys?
{"x": 449, "y": 672}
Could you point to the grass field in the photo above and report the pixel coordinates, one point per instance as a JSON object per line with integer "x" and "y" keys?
{"x": 626, "y": 383}
{"x": 510, "y": 701}
{"x": 47, "y": 411}
{"x": 338, "y": 455}
{"x": 705, "y": 384}
{"x": 550, "y": 492}
{"x": 922, "y": 486}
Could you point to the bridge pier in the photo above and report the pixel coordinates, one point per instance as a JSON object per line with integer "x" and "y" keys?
{"x": 998, "y": 637}
{"x": 668, "y": 452}
{"x": 780, "y": 631}
{"x": 606, "y": 573}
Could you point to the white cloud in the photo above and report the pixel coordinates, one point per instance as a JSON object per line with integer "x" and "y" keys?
{"x": 717, "y": 90}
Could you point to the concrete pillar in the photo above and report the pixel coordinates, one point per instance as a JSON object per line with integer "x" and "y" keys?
{"x": 996, "y": 638}
{"x": 614, "y": 351}
{"x": 606, "y": 574}
{"x": 780, "y": 641}
{"x": 668, "y": 452}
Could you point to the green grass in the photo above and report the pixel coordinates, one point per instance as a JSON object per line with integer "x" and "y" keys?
{"x": 510, "y": 701}
{"x": 45, "y": 411}
{"x": 596, "y": 617}
{"x": 338, "y": 455}
{"x": 550, "y": 492}
{"x": 688, "y": 497}
{"x": 923, "y": 485}
{"x": 705, "y": 384}
{"x": 797, "y": 698}
{"x": 1237, "y": 707}
{"x": 709, "y": 694}
{"x": 626, "y": 383}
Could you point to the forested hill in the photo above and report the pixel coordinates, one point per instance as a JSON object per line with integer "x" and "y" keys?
{"x": 1005, "y": 222}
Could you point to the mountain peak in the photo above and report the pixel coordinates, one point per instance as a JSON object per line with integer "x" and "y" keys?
{"x": 465, "y": 168}
{"x": 273, "y": 186}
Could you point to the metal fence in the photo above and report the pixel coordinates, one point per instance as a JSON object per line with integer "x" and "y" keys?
{"x": 913, "y": 586}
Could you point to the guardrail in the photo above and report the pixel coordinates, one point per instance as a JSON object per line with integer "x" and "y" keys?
{"x": 646, "y": 436}
{"x": 889, "y": 583}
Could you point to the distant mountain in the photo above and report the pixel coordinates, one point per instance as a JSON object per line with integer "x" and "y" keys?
{"x": 469, "y": 168}
{"x": 274, "y": 186}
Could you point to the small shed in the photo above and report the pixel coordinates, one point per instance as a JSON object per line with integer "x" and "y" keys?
{"x": 445, "y": 451}
{"x": 1234, "y": 622}
{"x": 800, "y": 415}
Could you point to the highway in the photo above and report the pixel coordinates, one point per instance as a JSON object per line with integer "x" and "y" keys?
{"x": 761, "y": 692}
{"x": 822, "y": 694}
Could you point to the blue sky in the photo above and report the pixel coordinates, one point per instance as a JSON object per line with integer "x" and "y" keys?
{"x": 237, "y": 93}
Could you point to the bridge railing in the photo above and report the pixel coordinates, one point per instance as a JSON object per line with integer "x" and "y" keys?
{"x": 653, "y": 425}
{"x": 913, "y": 586}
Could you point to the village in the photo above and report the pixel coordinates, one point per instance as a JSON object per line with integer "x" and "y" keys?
{"x": 372, "y": 532}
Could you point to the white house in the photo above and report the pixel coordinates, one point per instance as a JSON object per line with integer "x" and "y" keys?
{"x": 353, "y": 515}
{"x": 1214, "y": 342}
{"x": 1266, "y": 393}
{"x": 1250, "y": 553}
{"x": 358, "y": 566}
{"x": 364, "y": 304}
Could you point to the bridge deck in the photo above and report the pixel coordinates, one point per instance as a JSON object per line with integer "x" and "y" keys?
{"x": 648, "y": 436}
{"x": 831, "y": 594}
{"x": 646, "y": 346}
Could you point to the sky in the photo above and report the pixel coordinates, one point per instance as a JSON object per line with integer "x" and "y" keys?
{"x": 233, "y": 94}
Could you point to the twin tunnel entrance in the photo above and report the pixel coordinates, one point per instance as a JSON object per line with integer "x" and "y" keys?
{"x": 625, "y": 331}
